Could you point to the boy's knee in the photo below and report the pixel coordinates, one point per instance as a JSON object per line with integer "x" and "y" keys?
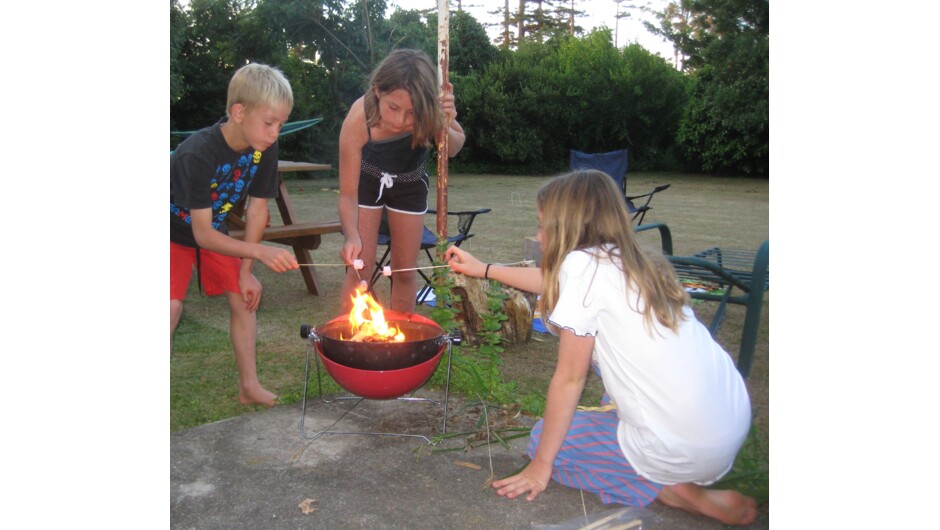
{"x": 176, "y": 309}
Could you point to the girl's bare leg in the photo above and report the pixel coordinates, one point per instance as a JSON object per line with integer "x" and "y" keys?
{"x": 406, "y": 230}
{"x": 369, "y": 221}
{"x": 727, "y": 506}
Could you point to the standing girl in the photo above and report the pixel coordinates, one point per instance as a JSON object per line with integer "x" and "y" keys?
{"x": 383, "y": 147}
{"x": 676, "y": 409}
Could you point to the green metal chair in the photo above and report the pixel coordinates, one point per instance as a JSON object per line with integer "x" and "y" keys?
{"x": 729, "y": 269}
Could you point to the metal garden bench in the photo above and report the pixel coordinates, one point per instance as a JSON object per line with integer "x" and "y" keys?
{"x": 747, "y": 271}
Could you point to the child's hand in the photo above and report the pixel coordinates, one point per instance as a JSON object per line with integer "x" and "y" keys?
{"x": 463, "y": 262}
{"x": 277, "y": 259}
{"x": 448, "y": 104}
{"x": 350, "y": 251}
{"x": 516, "y": 485}
{"x": 251, "y": 290}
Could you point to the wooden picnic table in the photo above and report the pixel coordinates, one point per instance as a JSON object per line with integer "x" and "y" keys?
{"x": 303, "y": 237}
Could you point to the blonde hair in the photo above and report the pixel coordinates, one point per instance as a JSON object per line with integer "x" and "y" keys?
{"x": 413, "y": 71}
{"x": 259, "y": 84}
{"x": 585, "y": 210}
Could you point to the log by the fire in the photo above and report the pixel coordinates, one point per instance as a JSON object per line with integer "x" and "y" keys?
{"x": 518, "y": 306}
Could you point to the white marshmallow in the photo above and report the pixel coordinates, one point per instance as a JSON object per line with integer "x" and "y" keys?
{"x": 358, "y": 264}
{"x": 386, "y": 271}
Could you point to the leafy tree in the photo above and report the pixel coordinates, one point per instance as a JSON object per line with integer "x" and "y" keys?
{"x": 616, "y": 99}
{"x": 500, "y": 111}
{"x": 675, "y": 25}
{"x": 653, "y": 100}
{"x": 178, "y": 26}
{"x": 726, "y": 127}
{"x": 540, "y": 20}
{"x": 522, "y": 109}
{"x": 470, "y": 47}
{"x": 506, "y": 37}
{"x": 412, "y": 29}
{"x": 525, "y": 111}
{"x": 567, "y": 14}
{"x": 206, "y": 61}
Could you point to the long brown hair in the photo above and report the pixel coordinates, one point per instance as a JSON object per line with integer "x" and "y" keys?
{"x": 585, "y": 210}
{"x": 413, "y": 71}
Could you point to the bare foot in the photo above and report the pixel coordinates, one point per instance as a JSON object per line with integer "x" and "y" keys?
{"x": 727, "y": 506}
{"x": 256, "y": 396}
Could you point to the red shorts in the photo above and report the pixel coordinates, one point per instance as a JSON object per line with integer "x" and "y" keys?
{"x": 218, "y": 272}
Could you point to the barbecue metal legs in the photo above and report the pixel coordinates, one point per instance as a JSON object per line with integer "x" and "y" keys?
{"x": 357, "y": 400}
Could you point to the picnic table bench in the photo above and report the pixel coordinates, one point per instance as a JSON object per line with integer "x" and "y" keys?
{"x": 302, "y": 237}
{"x": 721, "y": 271}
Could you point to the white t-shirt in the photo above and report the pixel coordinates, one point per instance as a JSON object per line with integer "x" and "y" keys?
{"x": 683, "y": 407}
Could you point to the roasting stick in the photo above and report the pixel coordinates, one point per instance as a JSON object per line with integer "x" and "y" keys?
{"x": 387, "y": 271}
{"x": 357, "y": 265}
{"x": 390, "y": 271}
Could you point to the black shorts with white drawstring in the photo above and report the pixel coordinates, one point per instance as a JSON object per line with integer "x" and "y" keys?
{"x": 405, "y": 192}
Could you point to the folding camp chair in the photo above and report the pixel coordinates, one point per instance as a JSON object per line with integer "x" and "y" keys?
{"x": 428, "y": 242}
{"x": 614, "y": 164}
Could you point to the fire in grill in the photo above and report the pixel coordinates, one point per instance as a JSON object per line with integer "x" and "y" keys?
{"x": 386, "y": 360}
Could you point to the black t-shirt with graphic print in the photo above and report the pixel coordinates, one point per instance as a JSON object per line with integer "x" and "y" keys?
{"x": 206, "y": 173}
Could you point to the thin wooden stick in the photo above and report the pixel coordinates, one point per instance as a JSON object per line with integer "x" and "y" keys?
{"x": 601, "y": 522}
{"x": 442, "y": 266}
{"x": 332, "y": 265}
{"x": 421, "y": 268}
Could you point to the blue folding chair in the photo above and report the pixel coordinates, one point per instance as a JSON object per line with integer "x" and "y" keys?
{"x": 614, "y": 164}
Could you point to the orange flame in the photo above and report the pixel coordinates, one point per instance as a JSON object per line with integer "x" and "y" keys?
{"x": 373, "y": 326}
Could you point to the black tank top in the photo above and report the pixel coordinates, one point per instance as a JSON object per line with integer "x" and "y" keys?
{"x": 394, "y": 155}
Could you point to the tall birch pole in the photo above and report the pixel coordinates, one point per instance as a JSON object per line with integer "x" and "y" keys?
{"x": 443, "y": 65}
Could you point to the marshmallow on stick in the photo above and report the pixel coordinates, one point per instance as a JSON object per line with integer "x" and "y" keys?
{"x": 386, "y": 271}
{"x": 358, "y": 264}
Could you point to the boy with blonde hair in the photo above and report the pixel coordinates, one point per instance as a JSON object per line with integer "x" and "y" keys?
{"x": 210, "y": 172}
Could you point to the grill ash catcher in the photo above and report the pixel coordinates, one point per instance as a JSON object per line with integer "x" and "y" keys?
{"x": 377, "y": 370}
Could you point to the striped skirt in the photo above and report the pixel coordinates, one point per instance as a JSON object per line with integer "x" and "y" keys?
{"x": 590, "y": 459}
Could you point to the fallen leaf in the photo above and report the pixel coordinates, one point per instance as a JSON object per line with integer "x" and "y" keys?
{"x": 305, "y": 506}
{"x": 467, "y": 464}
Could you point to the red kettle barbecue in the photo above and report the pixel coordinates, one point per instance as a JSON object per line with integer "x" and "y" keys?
{"x": 381, "y": 370}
